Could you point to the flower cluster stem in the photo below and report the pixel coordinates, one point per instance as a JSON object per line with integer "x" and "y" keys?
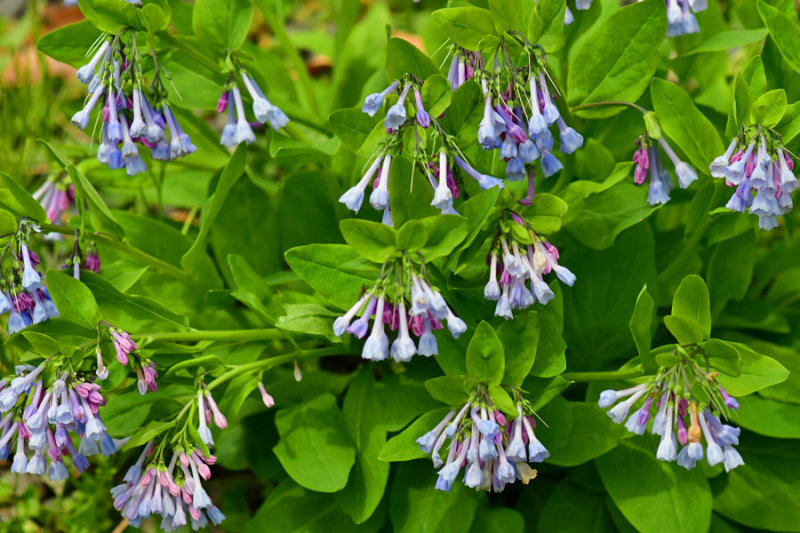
{"x": 611, "y": 375}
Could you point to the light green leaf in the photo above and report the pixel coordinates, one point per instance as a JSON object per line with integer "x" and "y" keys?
{"x": 470, "y": 27}
{"x": 224, "y": 22}
{"x": 485, "y": 357}
{"x": 691, "y": 300}
{"x": 769, "y": 108}
{"x": 373, "y": 240}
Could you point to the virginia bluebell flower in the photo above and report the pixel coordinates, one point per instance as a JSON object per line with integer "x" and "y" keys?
{"x": 264, "y": 110}
{"x": 763, "y": 180}
{"x": 648, "y": 161}
{"x": 680, "y": 16}
{"x": 374, "y": 101}
{"x": 682, "y": 417}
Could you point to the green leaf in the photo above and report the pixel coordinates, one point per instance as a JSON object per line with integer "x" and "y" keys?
{"x": 508, "y": 14}
{"x": 502, "y": 400}
{"x": 685, "y": 330}
{"x": 485, "y": 358}
{"x": 362, "y": 417}
{"x": 469, "y": 27}
{"x": 691, "y": 301}
{"x": 765, "y": 493}
{"x": 590, "y": 434}
{"x": 757, "y": 372}
{"x": 723, "y": 356}
{"x": 725, "y": 40}
{"x": 768, "y": 417}
{"x": 99, "y": 212}
{"x": 664, "y": 498}
{"x": 192, "y": 261}
{"x": 573, "y": 508}
{"x": 445, "y": 232}
{"x": 641, "y": 326}
{"x": 73, "y": 299}
{"x": 315, "y": 448}
{"x": 448, "y": 389}
{"x": 652, "y": 125}
{"x": 352, "y": 126}
{"x": 546, "y": 26}
{"x": 730, "y": 270}
{"x": 520, "y": 340}
{"x": 685, "y": 124}
{"x": 436, "y": 95}
{"x": 153, "y": 429}
{"x": 784, "y": 32}
{"x": 789, "y": 126}
{"x": 740, "y": 104}
{"x": 224, "y": 22}
{"x": 110, "y": 15}
{"x": 336, "y": 271}
{"x": 617, "y": 58}
{"x": 69, "y": 44}
{"x": 411, "y": 236}
{"x": 405, "y": 58}
{"x": 546, "y": 212}
{"x": 403, "y": 446}
{"x": 769, "y": 108}
{"x": 373, "y": 240}
{"x": 30, "y": 207}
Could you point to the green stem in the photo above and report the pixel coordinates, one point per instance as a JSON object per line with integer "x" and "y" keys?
{"x": 294, "y": 56}
{"x": 639, "y": 108}
{"x": 266, "y": 334}
{"x": 266, "y": 364}
{"x": 129, "y": 250}
{"x": 611, "y": 375}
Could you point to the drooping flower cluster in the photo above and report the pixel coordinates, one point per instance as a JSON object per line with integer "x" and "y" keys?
{"x": 174, "y": 491}
{"x": 128, "y": 351}
{"x": 462, "y": 66}
{"x": 133, "y": 114}
{"x": 518, "y": 262}
{"x": 490, "y": 447}
{"x": 686, "y": 404}
{"x": 24, "y": 295}
{"x": 405, "y": 301}
{"x": 42, "y": 420}
{"x": 519, "y": 111}
{"x": 761, "y": 169}
{"x": 680, "y": 16}
{"x": 437, "y": 166}
{"x": 237, "y": 129}
{"x": 648, "y": 162}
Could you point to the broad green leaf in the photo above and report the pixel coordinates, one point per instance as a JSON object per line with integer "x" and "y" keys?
{"x": 448, "y": 389}
{"x": 757, "y": 372}
{"x": 768, "y": 417}
{"x": 315, "y": 448}
{"x": 485, "y": 358}
{"x": 411, "y": 236}
{"x": 153, "y": 429}
{"x": 502, "y": 400}
{"x": 30, "y": 207}
{"x": 664, "y": 497}
{"x": 685, "y": 124}
{"x": 769, "y": 108}
{"x": 352, "y": 126}
{"x": 445, "y": 232}
{"x": 110, "y": 15}
{"x": 765, "y": 493}
{"x": 436, "y": 95}
{"x": 789, "y": 126}
{"x": 367, "y": 483}
{"x": 546, "y": 26}
{"x": 723, "y": 356}
{"x": 508, "y": 14}
{"x": 730, "y": 270}
{"x": 192, "y": 261}
{"x": 373, "y": 240}
{"x": 470, "y": 27}
{"x": 591, "y": 433}
{"x": 491, "y": 519}
{"x": 222, "y": 22}
{"x": 71, "y": 43}
{"x": 73, "y": 299}
{"x": 725, "y": 40}
{"x": 520, "y": 339}
{"x": 336, "y": 271}
{"x": 685, "y": 330}
{"x": 641, "y": 326}
{"x": 571, "y": 508}
{"x": 784, "y": 31}
{"x": 405, "y": 58}
{"x": 617, "y": 58}
{"x": 403, "y": 446}
{"x": 546, "y": 212}
{"x": 691, "y": 301}
{"x": 99, "y": 212}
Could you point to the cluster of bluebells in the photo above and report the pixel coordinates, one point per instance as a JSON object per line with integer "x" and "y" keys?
{"x": 133, "y": 116}
{"x": 127, "y": 351}
{"x": 237, "y": 129}
{"x": 761, "y": 170}
{"x": 40, "y": 421}
{"x": 56, "y": 196}
{"x": 519, "y": 111}
{"x": 493, "y": 450}
{"x": 681, "y": 418}
{"x": 438, "y": 169}
{"x": 24, "y": 295}
{"x": 648, "y": 163}
{"x": 403, "y": 300}
{"x": 462, "y": 66}
{"x": 680, "y": 16}
{"x": 174, "y": 491}
{"x": 518, "y": 264}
